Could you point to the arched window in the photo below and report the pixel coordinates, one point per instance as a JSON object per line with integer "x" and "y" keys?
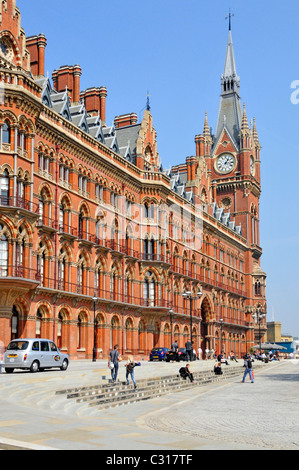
{"x": 59, "y": 330}
{"x": 6, "y": 133}
{"x": 65, "y": 215}
{"x": 100, "y": 231}
{"x": 80, "y": 225}
{"x": 80, "y": 274}
{"x": 14, "y": 323}
{"x": 115, "y": 282}
{"x": 257, "y": 288}
{"x": 62, "y": 269}
{"x": 3, "y": 253}
{"x": 41, "y": 263}
{"x": 20, "y": 248}
{"x": 38, "y": 327}
{"x": 4, "y": 188}
{"x": 114, "y": 331}
{"x": 149, "y": 289}
{"x": 99, "y": 278}
{"x": 80, "y": 338}
{"x": 129, "y": 335}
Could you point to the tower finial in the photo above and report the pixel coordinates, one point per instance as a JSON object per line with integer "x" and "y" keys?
{"x": 229, "y": 17}
{"x": 148, "y": 102}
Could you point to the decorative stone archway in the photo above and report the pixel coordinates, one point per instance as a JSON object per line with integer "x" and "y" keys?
{"x": 207, "y": 340}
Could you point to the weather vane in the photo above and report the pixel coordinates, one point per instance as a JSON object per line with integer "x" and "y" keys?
{"x": 148, "y": 107}
{"x": 229, "y": 16}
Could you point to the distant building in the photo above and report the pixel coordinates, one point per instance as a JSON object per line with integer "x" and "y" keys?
{"x": 273, "y": 334}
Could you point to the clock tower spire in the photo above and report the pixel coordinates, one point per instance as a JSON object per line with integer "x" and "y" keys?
{"x": 229, "y": 115}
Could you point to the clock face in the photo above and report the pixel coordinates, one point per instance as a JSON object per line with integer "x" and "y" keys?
{"x": 225, "y": 163}
{"x": 5, "y": 49}
{"x": 252, "y": 165}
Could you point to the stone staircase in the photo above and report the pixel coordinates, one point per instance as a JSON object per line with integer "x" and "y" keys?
{"x": 108, "y": 394}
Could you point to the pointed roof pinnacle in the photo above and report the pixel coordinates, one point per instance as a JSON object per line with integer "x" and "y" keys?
{"x": 230, "y": 68}
{"x": 206, "y": 129}
{"x": 244, "y": 123}
{"x": 255, "y": 136}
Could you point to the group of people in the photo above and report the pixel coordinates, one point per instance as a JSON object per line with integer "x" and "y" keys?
{"x": 209, "y": 353}
{"x": 267, "y": 356}
{"x": 113, "y": 364}
{"x": 185, "y": 372}
{"x": 247, "y": 364}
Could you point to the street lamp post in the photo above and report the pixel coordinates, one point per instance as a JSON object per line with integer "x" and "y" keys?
{"x": 221, "y": 327}
{"x": 170, "y": 314}
{"x": 188, "y": 295}
{"x": 94, "y": 352}
{"x": 259, "y": 315}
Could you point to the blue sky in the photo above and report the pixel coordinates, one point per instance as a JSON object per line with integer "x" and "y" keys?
{"x": 176, "y": 50}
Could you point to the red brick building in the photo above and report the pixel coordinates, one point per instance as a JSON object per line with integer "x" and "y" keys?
{"x": 99, "y": 244}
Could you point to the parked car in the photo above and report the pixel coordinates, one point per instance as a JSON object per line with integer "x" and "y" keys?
{"x": 34, "y": 354}
{"x": 158, "y": 354}
{"x": 180, "y": 356}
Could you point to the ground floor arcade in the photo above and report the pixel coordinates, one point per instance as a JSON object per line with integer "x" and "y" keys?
{"x": 78, "y": 326}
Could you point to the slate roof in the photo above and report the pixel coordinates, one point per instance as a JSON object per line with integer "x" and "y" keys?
{"x": 122, "y": 141}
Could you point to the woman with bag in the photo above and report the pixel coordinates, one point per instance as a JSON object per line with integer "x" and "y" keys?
{"x": 130, "y": 365}
{"x": 114, "y": 359}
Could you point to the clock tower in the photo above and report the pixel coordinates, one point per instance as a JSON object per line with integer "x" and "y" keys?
{"x": 233, "y": 163}
{"x": 233, "y": 159}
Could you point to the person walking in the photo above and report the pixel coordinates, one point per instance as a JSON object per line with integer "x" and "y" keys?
{"x": 114, "y": 362}
{"x": 248, "y": 368}
{"x": 130, "y": 365}
{"x": 199, "y": 352}
{"x": 175, "y": 348}
{"x": 189, "y": 350}
{"x": 207, "y": 352}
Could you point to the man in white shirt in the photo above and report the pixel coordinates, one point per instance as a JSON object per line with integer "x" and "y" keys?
{"x": 199, "y": 353}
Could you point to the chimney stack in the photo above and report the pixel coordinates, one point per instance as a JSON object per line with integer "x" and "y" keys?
{"x": 36, "y": 46}
{"x": 125, "y": 120}
{"x": 68, "y": 77}
{"x": 95, "y": 102}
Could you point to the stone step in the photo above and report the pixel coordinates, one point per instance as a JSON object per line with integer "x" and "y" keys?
{"x": 108, "y": 394}
{"x": 117, "y": 394}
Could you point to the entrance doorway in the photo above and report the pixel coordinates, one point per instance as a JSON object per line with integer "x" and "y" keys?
{"x": 206, "y": 311}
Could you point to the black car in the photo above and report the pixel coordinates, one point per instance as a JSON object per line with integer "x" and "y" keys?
{"x": 181, "y": 355}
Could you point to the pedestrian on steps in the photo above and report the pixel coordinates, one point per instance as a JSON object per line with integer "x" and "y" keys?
{"x": 130, "y": 365}
{"x": 114, "y": 359}
{"x": 248, "y": 368}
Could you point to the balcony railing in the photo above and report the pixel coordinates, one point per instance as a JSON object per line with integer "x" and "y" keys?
{"x": 104, "y": 294}
{"x": 19, "y": 272}
{"x": 19, "y": 202}
{"x": 47, "y": 222}
{"x": 153, "y": 257}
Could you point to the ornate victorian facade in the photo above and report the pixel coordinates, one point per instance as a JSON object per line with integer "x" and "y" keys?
{"x": 97, "y": 240}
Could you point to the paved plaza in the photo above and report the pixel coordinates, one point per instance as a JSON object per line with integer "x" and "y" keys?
{"x": 223, "y": 415}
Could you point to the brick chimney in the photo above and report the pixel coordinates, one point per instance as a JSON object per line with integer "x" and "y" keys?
{"x": 125, "y": 120}
{"x": 36, "y": 46}
{"x": 95, "y": 102}
{"x": 68, "y": 76}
